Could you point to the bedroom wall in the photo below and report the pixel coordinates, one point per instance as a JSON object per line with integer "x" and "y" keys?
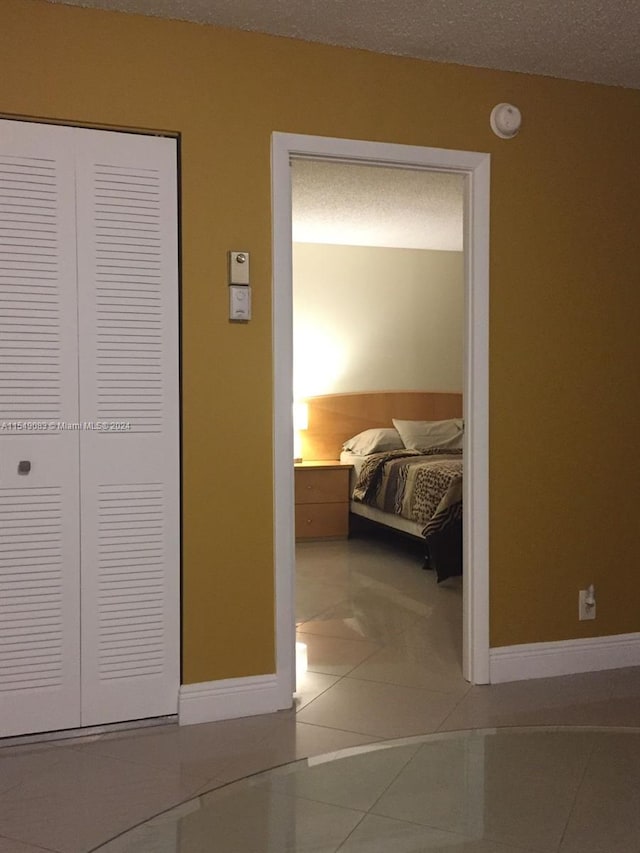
{"x": 565, "y": 302}
{"x": 368, "y": 318}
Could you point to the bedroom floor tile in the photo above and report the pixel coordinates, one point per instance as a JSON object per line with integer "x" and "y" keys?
{"x": 437, "y": 639}
{"x": 333, "y": 655}
{"x": 314, "y": 597}
{"x": 409, "y": 580}
{"x": 407, "y": 666}
{"x": 329, "y": 561}
{"x": 391, "y": 613}
{"x": 360, "y": 563}
{"x": 365, "y": 616}
{"x": 379, "y": 710}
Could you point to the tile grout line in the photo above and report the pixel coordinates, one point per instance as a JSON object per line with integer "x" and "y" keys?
{"x": 79, "y": 750}
{"x": 38, "y": 773}
{"x": 455, "y": 707}
{"x": 375, "y": 738}
{"x": 36, "y": 847}
{"x": 577, "y": 791}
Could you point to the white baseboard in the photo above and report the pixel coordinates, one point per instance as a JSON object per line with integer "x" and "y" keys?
{"x": 544, "y": 660}
{"x": 209, "y": 701}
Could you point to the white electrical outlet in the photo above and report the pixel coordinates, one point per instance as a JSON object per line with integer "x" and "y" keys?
{"x": 586, "y": 603}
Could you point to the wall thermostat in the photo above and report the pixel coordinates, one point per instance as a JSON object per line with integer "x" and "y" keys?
{"x": 505, "y": 120}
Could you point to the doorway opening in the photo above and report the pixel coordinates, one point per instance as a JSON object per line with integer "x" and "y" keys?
{"x": 473, "y": 168}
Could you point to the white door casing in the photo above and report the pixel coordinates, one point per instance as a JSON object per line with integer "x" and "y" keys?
{"x": 475, "y": 167}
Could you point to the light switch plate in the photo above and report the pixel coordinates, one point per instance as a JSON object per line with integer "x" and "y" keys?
{"x": 238, "y": 267}
{"x": 239, "y": 302}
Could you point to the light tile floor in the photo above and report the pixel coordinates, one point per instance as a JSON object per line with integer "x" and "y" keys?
{"x": 495, "y": 791}
{"x": 384, "y": 647}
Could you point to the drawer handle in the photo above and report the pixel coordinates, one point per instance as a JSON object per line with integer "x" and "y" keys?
{"x": 309, "y": 521}
{"x": 309, "y": 488}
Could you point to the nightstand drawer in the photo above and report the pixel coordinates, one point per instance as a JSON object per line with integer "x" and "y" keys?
{"x": 316, "y": 486}
{"x": 317, "y": 521}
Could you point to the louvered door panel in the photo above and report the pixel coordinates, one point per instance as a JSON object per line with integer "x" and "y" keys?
{"x": 130, "y": 463}
{"x": 39, "y": 605}
{"x": 39, "y": 511}
{"x": 29, "y": 299}
{"x": 131, "y": 580}
{"x": 38, "y": 346}
{"x": 30, "y": 594}
{"x": 129, "y": 299}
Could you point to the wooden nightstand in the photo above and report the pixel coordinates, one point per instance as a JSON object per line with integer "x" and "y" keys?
{"x": 322, "y": 500}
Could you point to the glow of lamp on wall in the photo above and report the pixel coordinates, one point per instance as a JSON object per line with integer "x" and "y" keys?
{"x": 319, "y": 360}
{"x": 300, "y": 423}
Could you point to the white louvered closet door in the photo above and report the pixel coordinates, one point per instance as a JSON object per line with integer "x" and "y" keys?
{"x": 128, "y": 310}
{"x": 89, "y": 535}
{"x": 39, "y": 509}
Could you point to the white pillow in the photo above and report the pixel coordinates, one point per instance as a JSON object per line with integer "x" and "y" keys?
{"x": 427, "y": 435}
{"x": 374, "y": 441}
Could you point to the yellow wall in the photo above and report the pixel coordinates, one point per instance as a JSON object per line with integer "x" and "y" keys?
{"x": 565, "y": 301}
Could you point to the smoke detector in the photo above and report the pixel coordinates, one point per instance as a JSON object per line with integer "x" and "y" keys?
{"x": 505, "y": 120}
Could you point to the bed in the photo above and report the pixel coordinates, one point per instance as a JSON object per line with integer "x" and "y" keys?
{"x": 408, "y": 481}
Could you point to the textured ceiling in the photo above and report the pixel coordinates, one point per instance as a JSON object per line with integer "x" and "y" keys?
{"x": 589, "y": 40}
{"x": 592, "y": 40}
{"x": 376, "y": 206}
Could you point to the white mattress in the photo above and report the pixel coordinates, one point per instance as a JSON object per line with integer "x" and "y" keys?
{"x": 373, "y": 513}
{"x": 350, "y": 458}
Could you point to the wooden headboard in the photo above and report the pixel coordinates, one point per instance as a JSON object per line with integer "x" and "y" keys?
{"x": 334, "y": 418}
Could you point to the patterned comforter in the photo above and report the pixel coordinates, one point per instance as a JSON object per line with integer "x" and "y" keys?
{"x": 423, "y": 487}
